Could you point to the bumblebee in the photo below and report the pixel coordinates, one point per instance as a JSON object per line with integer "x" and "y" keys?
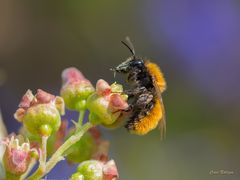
{"x": 145, "y": 94}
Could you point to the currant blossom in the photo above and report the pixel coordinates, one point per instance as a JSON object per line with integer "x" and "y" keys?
{"x": 76, "y": 89}
{"x": 17, "y": 156}
{"x": 40, "y": 114}
{"x": 107, "y": 104}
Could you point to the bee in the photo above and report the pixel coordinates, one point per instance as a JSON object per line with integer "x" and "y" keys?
{"x": 147, "y": 84}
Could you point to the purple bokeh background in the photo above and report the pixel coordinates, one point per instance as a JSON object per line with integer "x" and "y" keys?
{"x": 204, "y": 35}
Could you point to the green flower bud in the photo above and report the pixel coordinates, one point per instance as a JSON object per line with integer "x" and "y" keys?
{"x": 40, "y": 114}
{"x": 54, "y": 141}
{"x": 42, "y": 119}
{"x": 77, "y": 176}
{"x": 90, "y": 146}
{"x": 82, "y": 150}
{"x": 96, "y": 170}
{"x": 90, "y": 170}
{"x": 116, "y": 88}
{"x": 76, "y": 89}
{"x": 32, "y": 138}
{"x": 99, "y": 110}
{"x": 106, "y": 105}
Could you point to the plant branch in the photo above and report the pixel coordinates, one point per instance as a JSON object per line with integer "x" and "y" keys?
{"x": 81, "y": 117}
{"x": 31, "y": 165}
{"x": 58, "y": 155}
{"x": 43, "y": 157}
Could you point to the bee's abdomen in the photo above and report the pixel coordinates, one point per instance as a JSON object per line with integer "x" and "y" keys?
{"x": 142, "y": 125}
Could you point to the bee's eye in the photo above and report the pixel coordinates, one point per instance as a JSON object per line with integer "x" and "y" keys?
{"x": 137, "y": 63}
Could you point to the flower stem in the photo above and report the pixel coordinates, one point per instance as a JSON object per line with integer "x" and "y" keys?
{"x": 31, "y": 165}
{"x": 81, "y": 117}
{"x": 44, "y": 153}
{"x": 43, "y": 157}
{"x": 58, "y": 155}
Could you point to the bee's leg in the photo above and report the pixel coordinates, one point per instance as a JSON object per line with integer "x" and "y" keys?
{"x": 132, "y": 77}
{"x": 130, "y": 107}
{"x": 135, "y": 91}
{"x": 144, "y": 99}
{"x": 148, "y": 108}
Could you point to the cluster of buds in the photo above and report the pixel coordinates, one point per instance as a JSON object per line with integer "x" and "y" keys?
{"x": 40, "y": 114}
{"x": 106, "y": 105}
{"x": 17, "y": 156}
{"x": 96, "y": 170}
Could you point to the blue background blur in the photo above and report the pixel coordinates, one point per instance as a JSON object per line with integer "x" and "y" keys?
{"x": 197, "y": 45}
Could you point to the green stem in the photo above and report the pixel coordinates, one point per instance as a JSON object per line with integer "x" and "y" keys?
{"x": 58, "y": 155}
{"x": 44, "y": 153}
{"x": 30, "y": 167}
{"x": 43, "y": 156}
{"x": 81, "y": 117}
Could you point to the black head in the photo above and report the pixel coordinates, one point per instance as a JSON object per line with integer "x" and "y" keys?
{"x": 132, "y": 62}
{"x": 129, "y": 65}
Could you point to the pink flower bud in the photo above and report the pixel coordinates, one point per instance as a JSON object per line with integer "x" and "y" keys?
{"x": 26, "y": 99}
{"x": 44, "y": 97}
{"x": 76, "y": 89}
{"x": 72, "y": 75}
{"x": 19, "y": 114}
{"x": 103, "y": 88}
{"x": 17, "y": 157}
{"x": 117, "y": 102}
{"x": 110, "y": 171}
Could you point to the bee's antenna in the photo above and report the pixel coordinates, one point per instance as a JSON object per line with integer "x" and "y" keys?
{"x": 129, "y": 45}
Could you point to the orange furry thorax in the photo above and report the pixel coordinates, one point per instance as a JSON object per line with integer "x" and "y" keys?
{"x": 155, "y": 71}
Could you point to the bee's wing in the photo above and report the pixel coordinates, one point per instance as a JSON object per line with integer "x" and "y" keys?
{"x": 162, "y": 121}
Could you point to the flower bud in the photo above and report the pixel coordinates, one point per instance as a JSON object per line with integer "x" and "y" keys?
{"x": 107, "y": 104}
{"x": 81, "y": 150}
{"x": 91, "y": 170}
{"x": 54, "y": 141}
{"x": 96, "y": 170}
{"x": 17, "y": 157}
{"x": 77, "y": 176}
{"x": 90, "y": 146}
{"x": 76, "y": 89}
{"x": 110, "y": 171}
{"x": 40, "y": 114}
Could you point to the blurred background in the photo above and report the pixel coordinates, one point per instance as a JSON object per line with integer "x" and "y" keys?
{"x": 196, "y": 44}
